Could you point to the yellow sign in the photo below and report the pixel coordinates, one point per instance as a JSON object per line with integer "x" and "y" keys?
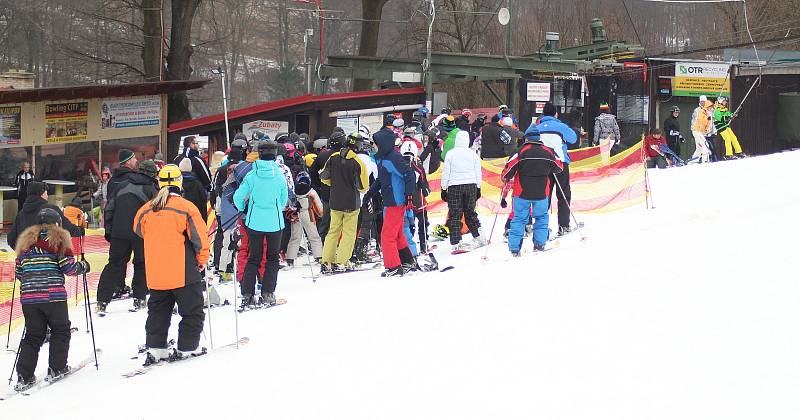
{"x": 696, "y": 86}
{"x": 66, "y": 122}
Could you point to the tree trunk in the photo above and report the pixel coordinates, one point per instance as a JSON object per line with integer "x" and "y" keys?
{"x": 151, "y": 52}
{"x": 371, "y": 10}
{"x": 179, "y": 57}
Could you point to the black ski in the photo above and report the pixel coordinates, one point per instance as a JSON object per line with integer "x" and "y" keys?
{"x": 144, "y": 369}
{"x": 48, "y": 380}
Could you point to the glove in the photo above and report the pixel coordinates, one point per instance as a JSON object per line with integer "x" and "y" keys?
{"x": 503, "y": 203}
{"x": 479, "y": 193}
{"x": 444, "y": 195}
{"x": 410, "y": 202}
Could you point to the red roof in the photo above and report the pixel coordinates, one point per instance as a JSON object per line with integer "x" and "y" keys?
{"x": 98, "y": 91}
{"x": 290, "y": 102}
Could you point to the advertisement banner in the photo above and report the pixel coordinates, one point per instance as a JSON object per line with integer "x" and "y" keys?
{"x": 271, "y": 128}
{"x": 126, "y": 113}
{"x": 10, "y": 125}
{"x": 66, "y": 122}
{"x": 695, "y": 79}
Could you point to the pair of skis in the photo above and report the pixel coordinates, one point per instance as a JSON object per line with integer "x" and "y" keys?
{"x": 145, "y": 369}
{"x": 48, "y": 380}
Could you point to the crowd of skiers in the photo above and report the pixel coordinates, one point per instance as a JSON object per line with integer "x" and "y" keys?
{"x": 710, "y": 121}
{"x": 344, "y": 200}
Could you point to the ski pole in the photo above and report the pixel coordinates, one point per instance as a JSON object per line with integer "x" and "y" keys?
{"x": 571, "y": 213}
{"x": 86, "y": 308}
{"x": 208, "y": 298}
{"x": 91, "y": 322}
{"x": 235, "y": 262}
{"x": 491, "y": 233}
{"x": 308, "y": 253}
{"x": 16, "y": 358}
{"x": 11, "y": 312}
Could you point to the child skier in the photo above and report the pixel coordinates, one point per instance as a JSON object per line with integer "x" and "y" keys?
{"x": 309, "y": 210}
{"x": 531, "y": 171}
{"x": 44, "y": 257}
{"x": 410, "y": 152}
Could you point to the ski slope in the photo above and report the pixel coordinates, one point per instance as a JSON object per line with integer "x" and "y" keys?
{"x": 687, "y": 311}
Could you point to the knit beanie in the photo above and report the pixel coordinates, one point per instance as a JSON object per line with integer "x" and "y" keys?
{"x": 125, "y": 155}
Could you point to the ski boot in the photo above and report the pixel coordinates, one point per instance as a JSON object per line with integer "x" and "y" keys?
{"x": 100, "y": 308}
{"x": 24, "y": 384}
{"x": 289, "y": 265}
{"x": 155, "y": 355}
{"x": 139, "y": 304}
{"x": 247, "y": 303}
{"x": 121, "y": 293}
{"x": 462, "y": 247}
{"x": 516, "y": 254}
{"x": 54, "y": 375}
{"x": 326, "y": 268}
{"x": 177, "y": 355}
{"x": 268, "y": 299}
{"x": 393, "y": 272}
{"x": 563, "y": 230}
{"x": 411, "y": 266}
{"x": 538, "y": 247}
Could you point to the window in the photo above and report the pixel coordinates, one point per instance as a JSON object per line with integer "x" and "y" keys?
{"x": 11, "y": 160}
{"x": 144, "y": 147}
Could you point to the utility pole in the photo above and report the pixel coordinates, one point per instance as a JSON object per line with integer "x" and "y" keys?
{"x": 427, "y": 69}
{"x": 511, "y": 84}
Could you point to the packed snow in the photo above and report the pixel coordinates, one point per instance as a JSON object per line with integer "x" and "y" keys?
{"x": 690, "y": 310}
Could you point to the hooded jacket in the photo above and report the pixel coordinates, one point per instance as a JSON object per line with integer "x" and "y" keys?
{"x": 496, "y": 142}
{"x": 702, "y": 119}
{"x": 461, "y": 166}
{"x": 722, "y": 117}
{"x": 556, "y": 135}
{"x": 262, "y": 196}
{"x": 41, "y": 264}
{"x": 396, "y": 179}
{"x": 194, "y": 192}
{"x": 175, "y": 243}
{"x": 347, "y": 176}
{"x": 127, "y": 191}
{"x": 605, "y": 126}
{"x": 29, "y": 216}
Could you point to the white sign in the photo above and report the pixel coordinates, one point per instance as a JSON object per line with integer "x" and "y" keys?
{"x": 374, "y": 122}
{"x": 126, "y": 113}
{"x": 271, "y": 128}
{"x": 538, "y": 92}
{"x": 406, "y": 77}
{"x": 539, "y": 107}
{"x": 706, "y": 70}
{"x": 348, "y": 124}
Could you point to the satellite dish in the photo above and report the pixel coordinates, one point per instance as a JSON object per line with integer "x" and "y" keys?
{"x": 504, "y": 16}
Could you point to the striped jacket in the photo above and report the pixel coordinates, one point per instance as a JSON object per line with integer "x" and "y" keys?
{"x": 42, "y": 262}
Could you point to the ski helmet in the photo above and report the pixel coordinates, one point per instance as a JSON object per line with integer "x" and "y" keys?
{"x": 48, "y": 216}
{"x": 674, "y": 109}
{"x": 448, "y": 123}
{"x": 466, "y": 112}
{"x": 336, "y": 141}
{"x": 364, "y": 130}
{"x": 366, "y": 145}
{"x": 281, "y": 138}
{"x": 354, "y": 141}
{"x": 239, "y": 147}
{"x": 503, "y": 110}
{"x": 424, "y": 111}
{"x": 409, "y": 148}
{"x": 267, "y": 150}
{"x": 441, "y": 231}
{"x": 446, "y": 111}
{"x": 532, "y": 135}
{"x": 398, "y": 123}
{"x": 170, "y": 176}
{"x": 722, "y": 100}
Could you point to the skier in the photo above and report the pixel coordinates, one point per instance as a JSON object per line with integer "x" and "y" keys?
{"x": 461, "y": 189}
{"x": 462, "y": 121}
{"x": 44, "y": 257}
{"x": 672, "y": 129}
{"x": 227, "y": 214}
{"x": 701, "y": 127}
{"x": 28, "y": 215}
{"x": 557, "y": 135}
{"x": 347, "y": 176}
{"x": 606, "y": 127}
{"x": 448, "y": 132}
{"x": 652, "y": 146}
{"x": 722, "y": 123}
{"x": 396, "y": 184}
{"x": 192, "y": 188}
{"x": 176, "y": 249}
{"x": 410, "y": 152}
{"x": 530, "y": 170}
{"x": 334, "y": 143}
{"x": 128, "y": 190}
{"x": 496, "y": 141}
{"x": 262, "y": 197}
{"x": 431, "y": 155}
{"x": 309, "y": 209}
{"x": 21, "y": 182}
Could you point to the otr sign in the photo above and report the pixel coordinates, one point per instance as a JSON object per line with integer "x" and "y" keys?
{"x": 695, "y": 69}
{"x": 692, "y": 70}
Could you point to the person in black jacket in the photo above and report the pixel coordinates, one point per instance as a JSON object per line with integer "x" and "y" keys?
{"x": 496, "y": 142}
{"x": 335, "y": 142}
{"x": 431, "y": 155}
{"x": 191, "y": 150}
{"x": 193, "y": 190}
{"x": 672, "y": 130}
{"x": 531, "y": 171}
{"x": 28, "y": 214}
{"x": 128, "y": 190}
{"x": 21, "y": 181}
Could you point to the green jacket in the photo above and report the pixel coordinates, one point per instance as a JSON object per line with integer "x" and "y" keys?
{"x": 722, "y": 118}
{"x": 449, "y": 142}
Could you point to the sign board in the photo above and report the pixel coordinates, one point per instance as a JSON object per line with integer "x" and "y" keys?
{"x": 271, "y": 128}
{"x": 373, "y": 122}
{"x": 406, "y": 77}
{"x": 665, "y": 85}
{"x": 126, "y": 113}
{"x": 539, "y": 107}
{"x": 633, "y": 67}
{"x": 696, "y": 78}
{"x": 538, "y": 92}
{"x": 66, "y": 122}
{"x": 348, "y": 124}
{"x": 10, "y": 125}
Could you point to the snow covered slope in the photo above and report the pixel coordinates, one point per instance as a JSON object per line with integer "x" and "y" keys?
{"x": 687, "y": 311}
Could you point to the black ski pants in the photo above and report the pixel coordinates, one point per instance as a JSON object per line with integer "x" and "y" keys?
{"x": 218, "y": 236}
{"x": 324, "y": 223}
{"x": 256, "y": 242}
{"x": 37, "y": 318}
{"x": 461, "y": 201}
{"x": 564, "y": 197}
{"x": 159, "y": 316}
{"x": 119, "y": 253}
{"x": 421, "y": 229}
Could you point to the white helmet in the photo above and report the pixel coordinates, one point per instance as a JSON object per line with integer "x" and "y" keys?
{"x": 409, "y": 148}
